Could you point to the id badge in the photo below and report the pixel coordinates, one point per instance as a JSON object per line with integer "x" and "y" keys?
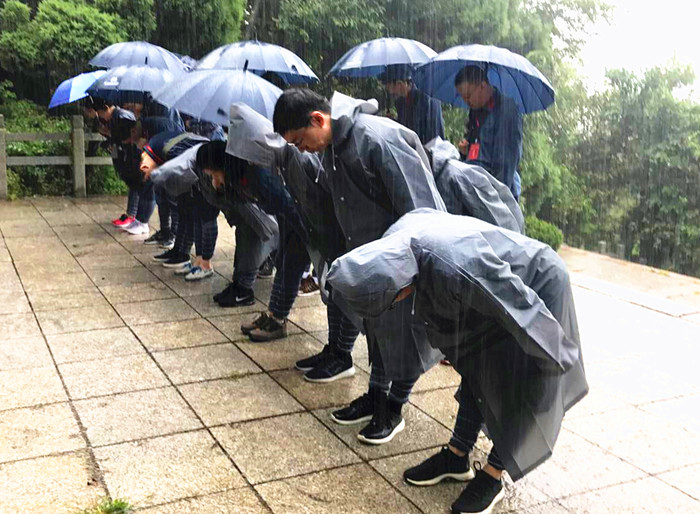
{"x": 473, "y": 152}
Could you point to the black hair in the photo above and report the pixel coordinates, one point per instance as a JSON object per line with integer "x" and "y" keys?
{"x": 97, "y": 103}
{"x": 471, "y": 75}
{"x": 294, "y": 107}
{"x": 121, "y": 124}
{"x": 212, "y": 155}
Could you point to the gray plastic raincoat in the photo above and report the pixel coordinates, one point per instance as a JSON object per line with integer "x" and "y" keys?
{"x": 498, "y": 305}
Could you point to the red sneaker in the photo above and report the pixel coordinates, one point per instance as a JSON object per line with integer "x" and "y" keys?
{"x": 122, "y": 221}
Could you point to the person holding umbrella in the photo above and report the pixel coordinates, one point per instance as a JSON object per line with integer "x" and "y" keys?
{"x": 499, "y": 305}
{"x": 414, "y": 109}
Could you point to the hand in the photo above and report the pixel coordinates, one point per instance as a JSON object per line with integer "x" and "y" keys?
{"x": 462, "y": 146}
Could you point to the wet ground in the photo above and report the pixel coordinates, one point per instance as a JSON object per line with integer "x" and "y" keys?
{"x": 118, "y": 378}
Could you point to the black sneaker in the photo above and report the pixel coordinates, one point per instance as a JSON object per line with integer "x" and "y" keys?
{"x": 225, "y": 292}
{"x": 236, "y": 297}
{"x": 480, "y": 496}
{"x": 258, "y": 322}
{"x": 267, "y": 268}
{"x": 310, "y": 363}
{"x": 437, "y": 468}
{"x": 168, "y": 243}
{"x": 162, "y": 257}
{"x": 360, "y": 410}
{"x": 385, "y": 424}
{"x": 177, "y": 260}
{"x": 270, "y": 330}
{"x": 334, "y": 366}
{"x": 157, "y": 238}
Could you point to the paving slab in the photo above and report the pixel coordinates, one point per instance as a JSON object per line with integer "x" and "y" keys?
{"x": 205, "y": 363}
{"x": 17, "y": 326}
{"x": 155, "y": 311}
{"x": 61, "y": 300}
{"x": 282, "y": 353}
{"x": 240, "y": 399}
{"x": 439, "y": 404}
{"x": 178, "y": 334}
{"x": 93, "y": 345}
{"x": 14, "y": 302}
{"x": 138, "y": 292}
{"x": 231, "y": 324}
{"x": 163, "y": 469}
{"x": 319, "y": 396}
{"x": 24, "y": 353}
{"x": 27, "y": 387}
{"x": 60, "y": 484}
{"x": 78, "y": 320}
{"x": 139, "y": 415}
{"x": 238, "y": 501}
{"x": 685, "y": 479}
{"x": 281, "y": 447}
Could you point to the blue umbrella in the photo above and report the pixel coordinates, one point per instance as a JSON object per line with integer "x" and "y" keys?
{"x": 208, "y": 94}
{"x": 512, "y": 74}
{"x": 259, "y": 58}
{"x": 371, "y": 58}
{"x": 130, "y": 83}
{"x": 137, "y": 53}
{"x": 74, "y": 88}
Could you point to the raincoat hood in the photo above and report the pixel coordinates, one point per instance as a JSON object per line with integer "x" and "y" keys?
{"x": 442, "y": 151}
{"x": 252, "y": 138}
{"x": 344, "y": 110}
{"x": 375, "y": 274}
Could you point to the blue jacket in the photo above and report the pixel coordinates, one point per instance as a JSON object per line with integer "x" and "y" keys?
{"x": 422, "y": 114}
{"x": 500, "y": 136}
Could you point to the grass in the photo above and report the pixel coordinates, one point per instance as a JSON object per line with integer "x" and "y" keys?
{"x": 107, "y": 506}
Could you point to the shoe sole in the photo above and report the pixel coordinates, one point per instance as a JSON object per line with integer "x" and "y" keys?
{"x": 346, "y": 422}
{"x": 343, "y": 374}
{"x": 183, "y": 271}
{"x": 241, "y": 304}
{"x": 460, "y": 477}
{"x": 300, "y": 368}
{"x": 501, "y": 494}
{"x": 158, "y": 261}
{"x": 194, "y": 279}
{"x": 175, "y": 266}
{"x": 386, "y": 439}
{"x": 265, "y": 339}
{"x": 169, "y": 246}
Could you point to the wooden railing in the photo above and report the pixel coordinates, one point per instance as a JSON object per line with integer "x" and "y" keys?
{"x": 77, "y": 160}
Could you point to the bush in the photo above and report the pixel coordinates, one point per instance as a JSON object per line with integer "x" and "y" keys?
{"x": 543, "y": 231}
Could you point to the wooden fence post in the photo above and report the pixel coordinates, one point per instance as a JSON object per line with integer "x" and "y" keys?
{"x": 3, "y": 160}
{"x": 78, "y": 147}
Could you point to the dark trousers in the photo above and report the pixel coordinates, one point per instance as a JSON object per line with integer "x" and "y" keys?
{"x": 132, "y": 204}
{"x": 206, "y": 227}
{"x": 167, "y": 211}
{"x": 291, "y": 261}
{"x": 342, "y": 332}
{"x": 468, "y": 424}
{"x": 398, "y": 390}
{"x": 147, "y": 203}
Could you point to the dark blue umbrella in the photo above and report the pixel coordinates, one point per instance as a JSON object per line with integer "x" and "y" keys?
{"x": 259, "y": 58}
{"x": 137, "y": 53}
{"x": 208, "y": 94}
{"x": 130, "y": 83}
{"x": 371, "y": 58}
{"x": 510, "y": 73}
{"x": 74, "y": 88}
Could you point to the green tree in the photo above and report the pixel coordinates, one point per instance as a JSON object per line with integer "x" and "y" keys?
{"x": 13, "y": 15}
{"x": 138, "y": 16}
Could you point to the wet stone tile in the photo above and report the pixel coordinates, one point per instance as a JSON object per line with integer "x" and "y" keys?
{"x": 60, "y": 300}
{"x": 155, "y": 311}
{"x": 209, "y": 286}
{"x": 130, "y": 416}
{"x": 93, "y": 344}
{"x": 283, "y": 446}
{"x": 237, "y": 501}
{"x": 16, "y": 326}
{"x": 38, "y": 431}
{"x": 13, "y": 302}
{"x": 356, "y": 489}
{"x": 231, "y": 400}
{"x": 113, "y": 375}
{"x": 112, "y": 277}
{"x": 78, "y": 320}
{"x": 178, "y": 334}
{"x": 438, "y": 377}
{"x": 24, "y": 353}
{"x": 139, "y": 292}
{"x": 310, "y": 319}
{"x": 317, "y": 396}
{"x": 439, "y": 404}
{"x": 27, "y": 387}
{"x": 685, "y": 479}
{"x": 164, "y": 469}
{"x": 205, "y": 363}
{"x": 282, "y": 353}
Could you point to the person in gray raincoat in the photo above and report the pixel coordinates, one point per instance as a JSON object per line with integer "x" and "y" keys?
{"x": 376, "y": 170}
{"x": 253, "y": 140}
{"x": 469, "y": 190}
{"x": 499, "y": 305}
{"x": 256, "y": 231}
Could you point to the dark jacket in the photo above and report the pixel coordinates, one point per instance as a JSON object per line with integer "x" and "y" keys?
{"x": 422, "y": 114}
{"x": 499, "y": 131}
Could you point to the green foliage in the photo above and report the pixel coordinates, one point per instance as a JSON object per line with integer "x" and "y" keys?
{"x": 543, "y": 231}
{"x": 13, "y": 15}
{"x": 137, "y": 18}
{"x": 193, "y": 27}
{"x": 107, "y": 506}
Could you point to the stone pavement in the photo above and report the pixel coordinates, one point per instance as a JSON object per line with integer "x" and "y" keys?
{"x": 117, "y": 378}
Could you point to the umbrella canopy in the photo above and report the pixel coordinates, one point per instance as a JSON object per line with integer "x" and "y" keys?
{"x": 510, "y": 73}
{"x": 208, "y": 94}
{"x": 137, "y": 53}
{"x": 372, "y": 58}
{"x": 129, "y": 83}
{"x": 74, "y": 88}
{"x": 259, "y": 58}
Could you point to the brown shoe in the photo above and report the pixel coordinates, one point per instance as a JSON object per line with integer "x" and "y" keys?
{"x": 308, "y": 287}
{"x": 271, "y": 330}
{"x": 258, "y": 322}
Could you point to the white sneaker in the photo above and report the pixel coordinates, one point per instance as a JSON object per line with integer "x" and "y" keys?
{"x": 137, "y": 228}
{"x": 185, "y": 269}
{"x": 198, "y": 273}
